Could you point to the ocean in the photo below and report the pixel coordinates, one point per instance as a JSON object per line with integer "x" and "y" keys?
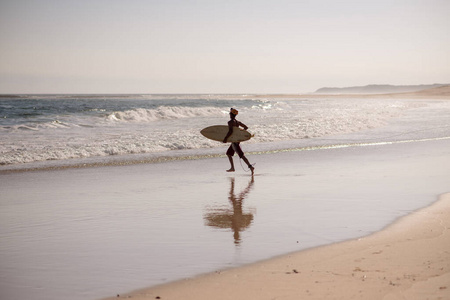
{"x": 77, "y": 129}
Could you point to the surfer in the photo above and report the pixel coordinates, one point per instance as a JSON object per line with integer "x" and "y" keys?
{"x": 235, "y": 147}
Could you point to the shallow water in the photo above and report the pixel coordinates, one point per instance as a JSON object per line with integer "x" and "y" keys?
{"x": 96, "y": 232}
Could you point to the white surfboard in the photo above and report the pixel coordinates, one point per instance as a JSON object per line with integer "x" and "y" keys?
{"x": 218, "y": 133}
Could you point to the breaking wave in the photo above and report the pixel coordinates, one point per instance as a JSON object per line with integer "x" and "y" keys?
{"x": 163, "y": 113}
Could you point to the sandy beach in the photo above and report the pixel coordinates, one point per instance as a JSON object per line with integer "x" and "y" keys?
{"x": 441, "y": 93}
{"x": 410, "y": 259}
{"x": 91, "y": 233}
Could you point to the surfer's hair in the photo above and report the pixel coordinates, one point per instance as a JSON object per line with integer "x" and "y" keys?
{"x": 234, "y": 111}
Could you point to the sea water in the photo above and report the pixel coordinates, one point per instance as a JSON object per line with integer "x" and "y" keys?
{"x": 70, "y": 128}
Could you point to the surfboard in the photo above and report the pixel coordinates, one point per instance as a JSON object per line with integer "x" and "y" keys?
{"x": 218, "y": 133}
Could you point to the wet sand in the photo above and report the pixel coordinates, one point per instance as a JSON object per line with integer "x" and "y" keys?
{"x": 98, "y": 232}
{"x": 408, "y": 260}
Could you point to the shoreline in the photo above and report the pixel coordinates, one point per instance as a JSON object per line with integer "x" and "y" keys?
{"x": 408, "y": 259}
{"x": 154, "y": 158}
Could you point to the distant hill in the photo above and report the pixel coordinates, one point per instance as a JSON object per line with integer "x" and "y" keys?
{"x": 378, "y": 89}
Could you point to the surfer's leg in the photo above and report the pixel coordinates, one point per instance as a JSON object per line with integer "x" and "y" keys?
{"x": 230, "y": 158}
{"x": 252, "y": 168}
{"x": 230, "y": 153}
{"x": 239, "y": 151}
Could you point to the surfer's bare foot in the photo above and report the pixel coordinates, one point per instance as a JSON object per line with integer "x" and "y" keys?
{"x": 230, "y": 170}
{"x": 252, "y": 168}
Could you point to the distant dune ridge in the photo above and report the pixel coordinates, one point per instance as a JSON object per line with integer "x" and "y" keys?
{"x": 438, "y": 91}
{"x": 378, "y": 89}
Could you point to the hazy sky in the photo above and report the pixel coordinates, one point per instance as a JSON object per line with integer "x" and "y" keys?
{"x": 228, "y": 46}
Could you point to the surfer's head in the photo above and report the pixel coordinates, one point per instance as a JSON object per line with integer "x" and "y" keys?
{"x": 234, "y": 112}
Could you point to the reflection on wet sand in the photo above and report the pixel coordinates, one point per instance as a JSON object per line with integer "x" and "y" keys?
{"x": 234, "y": 217}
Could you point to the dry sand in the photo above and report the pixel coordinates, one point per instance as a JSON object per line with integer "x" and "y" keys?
{"x": 408, "y": 260}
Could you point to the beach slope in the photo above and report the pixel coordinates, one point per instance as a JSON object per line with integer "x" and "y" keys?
{"x": 410, "y": 259}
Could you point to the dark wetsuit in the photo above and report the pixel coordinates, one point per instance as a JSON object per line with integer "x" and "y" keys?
{"x": 235, "y": 147}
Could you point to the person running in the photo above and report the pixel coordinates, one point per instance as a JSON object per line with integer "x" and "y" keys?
{"x": 235, "y": 147}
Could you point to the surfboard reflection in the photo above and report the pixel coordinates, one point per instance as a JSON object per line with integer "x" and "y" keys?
{"x": 233, "y": 218}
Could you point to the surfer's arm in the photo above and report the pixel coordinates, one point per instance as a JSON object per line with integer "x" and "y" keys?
{"x": 243, "y": 125}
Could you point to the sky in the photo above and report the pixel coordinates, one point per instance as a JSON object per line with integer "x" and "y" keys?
{"x": 228, "y": 46}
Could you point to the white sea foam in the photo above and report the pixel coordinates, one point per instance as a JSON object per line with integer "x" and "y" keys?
{"x": 163, "y": 113}
{"x": 164, "y": 128}
{"x": 39, "y": 126}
